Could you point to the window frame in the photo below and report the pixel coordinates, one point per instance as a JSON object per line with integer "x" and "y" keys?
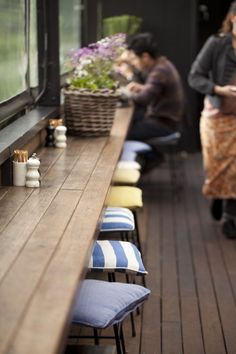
{"x": 50, "y": 80}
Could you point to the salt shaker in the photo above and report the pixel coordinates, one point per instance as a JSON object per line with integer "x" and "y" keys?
{"x": 32, "y": 174}
{"x": 60, "y": 136}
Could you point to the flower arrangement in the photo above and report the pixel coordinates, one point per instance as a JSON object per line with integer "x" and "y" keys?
{"x": 92, "y": 66}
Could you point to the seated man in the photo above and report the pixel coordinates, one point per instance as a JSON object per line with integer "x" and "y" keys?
{"x": 160, "y": 99}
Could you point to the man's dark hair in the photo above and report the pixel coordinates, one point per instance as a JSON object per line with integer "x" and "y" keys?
{"x": 143, "y": 43}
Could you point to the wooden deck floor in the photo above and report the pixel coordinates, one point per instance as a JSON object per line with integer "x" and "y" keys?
{"x": 192, "y": 271}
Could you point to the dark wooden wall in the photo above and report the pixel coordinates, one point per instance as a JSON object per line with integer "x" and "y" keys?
{"x": 180, "y": 31}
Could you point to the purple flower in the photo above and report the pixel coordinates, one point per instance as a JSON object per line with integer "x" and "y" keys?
{"x": 93, "y": 64}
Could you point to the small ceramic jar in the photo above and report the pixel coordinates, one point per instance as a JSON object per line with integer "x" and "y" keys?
{"x": 32, "y": 174}
{"x": 60, "y": 136}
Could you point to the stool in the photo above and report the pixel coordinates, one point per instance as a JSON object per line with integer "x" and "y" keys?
{"x": 102, "y": 304}
{"x": 136, "y": 146}
{"x": 128, "y": 156}
{"x": 126, "y": 176}
{"x": 119, "y": 221}
{"x": 125, "y": 196}
{"x": 129, "y": 197}
{"x": 169, "y": 144}
{"x": 131, "y": 149}
{"x": 118, "y": 256}
{"x": 133, "y": 165}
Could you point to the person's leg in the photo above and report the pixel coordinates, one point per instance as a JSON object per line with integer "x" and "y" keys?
{"x": 143, "y": 129}
{"x": 216, "y": 208}
{"x": 229, "y": 218}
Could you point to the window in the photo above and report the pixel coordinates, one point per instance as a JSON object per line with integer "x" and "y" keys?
{"x": 13, "y": 59}
{"x": 33, "y": 51}
{"x": 25, "y": 58}
{"x": 70, "y": 29}
{"x": 18, "y": 56}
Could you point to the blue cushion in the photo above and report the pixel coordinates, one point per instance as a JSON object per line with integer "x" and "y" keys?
{"x": 101, "y": 304}
{"x": 136, "y": 146}
{"x": 118, "y": 256}
{"x": 117, "y": 219}
{"x": 128, "y": 156}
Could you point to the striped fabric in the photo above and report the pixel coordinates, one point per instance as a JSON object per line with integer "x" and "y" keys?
{"x": 117, "y": 219}
{"x": 119, "y": 256}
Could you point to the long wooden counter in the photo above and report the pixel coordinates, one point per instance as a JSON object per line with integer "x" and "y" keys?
{"x": 46, "y": 236}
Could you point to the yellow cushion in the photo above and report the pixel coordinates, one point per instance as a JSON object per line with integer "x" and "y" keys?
{"x": 124, "y": 175}
{"x": 129, "y": 165}
{"x": 124, "y": 196}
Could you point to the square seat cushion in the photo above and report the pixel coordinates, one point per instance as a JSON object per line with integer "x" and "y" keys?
{"x": 124, "y": 196}
{"x": 123, "y": 176}
{"x": 133, "y": 165}
{"x": 117, "y": 219}
{"x": 101, "y": 304}
{"x": 136, "y": 146}
{"x": 116, "y": 256}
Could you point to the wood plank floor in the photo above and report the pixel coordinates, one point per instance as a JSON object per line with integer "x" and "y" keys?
{"x": 192, "y": 271}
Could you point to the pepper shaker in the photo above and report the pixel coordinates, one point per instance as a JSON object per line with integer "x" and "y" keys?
{"x": 50, "y": 136}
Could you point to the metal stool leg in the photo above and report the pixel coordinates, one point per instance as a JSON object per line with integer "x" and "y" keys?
{"x": 117, "y": 338}
{"x": 122, "y": 338}
{"x": 96, "y": 337}
{"x": 138, "y": 242}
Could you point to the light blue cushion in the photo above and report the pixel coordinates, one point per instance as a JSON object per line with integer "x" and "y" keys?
{"x": 117, "y": 219}
{"x": 136, "y": 146}
{"x": 101, "y": 304}
{"x": 118, "y": 256}
{"x": 128, "y": 156}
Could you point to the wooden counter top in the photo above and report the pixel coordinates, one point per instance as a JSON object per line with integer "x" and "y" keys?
{"x": 46, "y": 236}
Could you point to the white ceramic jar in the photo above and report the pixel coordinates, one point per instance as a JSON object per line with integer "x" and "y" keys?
{"x": 32, "y": 174}
{"x": 60, "y": 136}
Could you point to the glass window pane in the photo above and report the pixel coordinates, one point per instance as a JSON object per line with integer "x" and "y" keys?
{"x": 13, "y": 62}
{"x": 70, "y": 29}
{"x": 33, "y": 45}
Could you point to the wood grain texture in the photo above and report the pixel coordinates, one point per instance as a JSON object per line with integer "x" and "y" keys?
{"x": 47, "y": 236}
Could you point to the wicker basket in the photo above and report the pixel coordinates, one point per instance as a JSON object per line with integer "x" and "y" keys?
{"x": 89, "y": 114}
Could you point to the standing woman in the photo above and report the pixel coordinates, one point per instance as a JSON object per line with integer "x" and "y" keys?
{"x": 213, "y": 74}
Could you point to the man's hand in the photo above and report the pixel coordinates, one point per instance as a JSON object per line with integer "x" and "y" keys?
{"x": 135, "y": 87}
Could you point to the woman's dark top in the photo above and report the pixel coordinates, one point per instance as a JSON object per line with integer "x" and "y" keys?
{"x": 214, "y": 65}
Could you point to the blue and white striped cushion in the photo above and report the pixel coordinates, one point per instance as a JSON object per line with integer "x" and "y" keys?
{"x": 117, "y": 219}
{"x": 118, "y": 256}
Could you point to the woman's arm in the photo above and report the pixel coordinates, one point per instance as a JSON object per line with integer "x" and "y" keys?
{"x": 199, "y": 76}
